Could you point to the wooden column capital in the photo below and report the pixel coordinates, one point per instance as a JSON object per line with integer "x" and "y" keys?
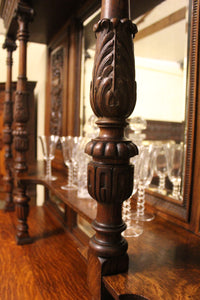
{"x": 9, "y": 44}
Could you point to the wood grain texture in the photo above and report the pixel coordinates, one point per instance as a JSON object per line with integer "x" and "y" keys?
{"x": 51, "y": 268}
{"x": 10, "y": 46}
{"x": 164, "y": 263}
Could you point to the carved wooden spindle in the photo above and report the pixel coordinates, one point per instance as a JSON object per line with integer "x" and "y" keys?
{"x": 110, "y": 175}
{"x": 21, "y": 115}
{"x": 10, "y": 45}
{"x": 24, "y": 15}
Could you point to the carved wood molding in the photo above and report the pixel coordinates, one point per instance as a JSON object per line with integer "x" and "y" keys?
{"x": 24, "y": 15}
{"x": 10, "y": 46}
{"x": 57, "y": 69}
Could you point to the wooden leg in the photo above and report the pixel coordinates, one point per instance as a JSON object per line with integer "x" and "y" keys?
{"x": 22, "y": 210}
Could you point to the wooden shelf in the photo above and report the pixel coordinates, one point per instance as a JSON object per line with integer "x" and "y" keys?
{"x": 165, "y": 257}
{"x": 82, "y": 206}
{"x": 164, "y": 264}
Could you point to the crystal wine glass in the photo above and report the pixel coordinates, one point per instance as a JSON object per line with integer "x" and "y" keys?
{"x": 69, "y": 149}
{"x": 175, "y": 161}
{"x": 145, "y": 175}
{"x": 161, "y": 166}
{"x": 134, "y": 226}
{"x": 48, "y": 147}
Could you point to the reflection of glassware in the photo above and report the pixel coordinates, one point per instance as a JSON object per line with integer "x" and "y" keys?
{"x": 69, "y": 148}
{"x": 145, "y": 175}
{"x": 90, "y": 128}
{"x": 134, "y": 227}
{"x": 136, "y": 125}
{"x": 48, "y": 147}
{"x": 83, "y": 160}
{"x": 175, "y": 160}
{"x": 161, "y": 166}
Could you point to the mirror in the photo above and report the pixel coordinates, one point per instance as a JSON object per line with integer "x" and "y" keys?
{"x": 161, "y": 55}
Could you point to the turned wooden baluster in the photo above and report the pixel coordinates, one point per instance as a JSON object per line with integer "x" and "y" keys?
{"x": 110, "y": 175}
{"x": 10, "y": 45}
{"x": 24, "y": 15}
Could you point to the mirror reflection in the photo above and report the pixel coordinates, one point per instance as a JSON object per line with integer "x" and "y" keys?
{"x": 159, "y": 118}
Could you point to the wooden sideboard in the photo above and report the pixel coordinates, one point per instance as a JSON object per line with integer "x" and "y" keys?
{"x": 164, "y": 262}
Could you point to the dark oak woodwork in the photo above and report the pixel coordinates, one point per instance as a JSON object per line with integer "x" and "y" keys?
{"x": 165, "y": 255}
{"x": 164, "y": 263}
{"x": 110, "y": 176}
{"x": 24, "y": 14}
{"x": 63, "y": 92}
{"x": 10, "y": 46}
{"x": 21, "y": 114}
{"x": 50, "y": 268}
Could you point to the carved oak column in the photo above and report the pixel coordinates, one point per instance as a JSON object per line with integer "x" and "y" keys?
{"x": 110, "y": 175}
{"x": 24, "y": 15}
{"x": 10, "y": 45}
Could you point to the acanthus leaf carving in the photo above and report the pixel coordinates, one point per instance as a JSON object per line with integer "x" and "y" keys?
{"x": 113, "y": 89}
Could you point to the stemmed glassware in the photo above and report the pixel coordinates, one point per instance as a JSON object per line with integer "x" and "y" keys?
{"x": 48, "y": 147}
{"x": 134, "y": 227}
{"x": 161, "y": 166}
{"x": 145, "y": 175}
{"x": 83, "y": 160}
{"x": 69, "y": 149}
{"x": 175, "y": 160}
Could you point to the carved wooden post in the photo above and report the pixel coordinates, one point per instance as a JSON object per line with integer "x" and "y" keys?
{"x": 24, "y": 15}
{"x": 110, "y": 176}
{"x": 10, "y": 45}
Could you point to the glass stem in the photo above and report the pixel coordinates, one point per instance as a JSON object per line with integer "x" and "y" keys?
{"x": 176, "y": 190}
{"x": 70, "y": 174}
{"x": 161, "y": 183}
{"x": 48, "y": 169}
{"x": 75, "y": 173}
{"x": 141, "y": 200}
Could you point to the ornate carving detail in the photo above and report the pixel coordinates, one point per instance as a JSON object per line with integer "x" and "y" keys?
{"x": 22, "y": 208}
{"x": 56, "y": 91}
{"x": 110, "y": 176}
{"x": 108, "y": 183}
{"x": 10, "y": 45}
{"x": 113, "y": 89}
{"x": 21, "y": 112}
{"x": 108, "y": 149}
{"x": 8, "y": 109}
{"x": 21, "y": 140}
{"x": 24, "y": 14}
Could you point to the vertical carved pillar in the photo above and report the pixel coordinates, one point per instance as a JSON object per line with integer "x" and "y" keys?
{"x": 21, "y": 115}
{"x": 10, "y": 45}
{"x": 110, "y": 175}
{"x": 24, "y": 15}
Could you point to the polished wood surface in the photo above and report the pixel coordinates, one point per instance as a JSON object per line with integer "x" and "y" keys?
{"x": 50, "y": 268}
{"x": 10, "y": 46}
{"x": 164, "y": 264}
{"x": 110, "y": 175}
{"x": 166, "y": 257}
{"x": 36, "y": 174}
